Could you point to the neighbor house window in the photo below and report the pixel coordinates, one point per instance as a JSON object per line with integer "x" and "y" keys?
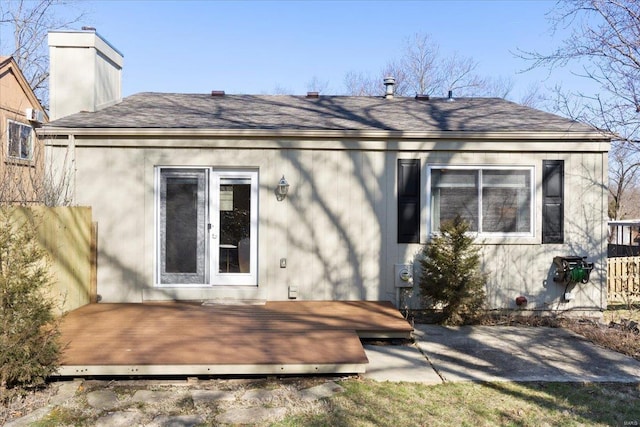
{"x": 20, "y": 140}
{"x": 493, "y": 200}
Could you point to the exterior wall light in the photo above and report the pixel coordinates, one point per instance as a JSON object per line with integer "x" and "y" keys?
{"x": 282, "y": 189}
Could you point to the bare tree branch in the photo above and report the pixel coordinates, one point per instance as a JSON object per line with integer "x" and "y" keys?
{"x": 29, "y": 22}
{"x": 604, "y": 41}
{"x": 423, "y": 70}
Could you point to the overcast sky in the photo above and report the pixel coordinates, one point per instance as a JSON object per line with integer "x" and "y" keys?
{"x": 255, "y": 47}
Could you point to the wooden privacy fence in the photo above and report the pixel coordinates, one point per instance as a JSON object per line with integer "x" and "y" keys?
{"x": 68, "y": 236}
{"x": 623, "y": 279}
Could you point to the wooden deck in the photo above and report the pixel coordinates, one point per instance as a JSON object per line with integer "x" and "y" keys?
{"x": 289, "y": 337}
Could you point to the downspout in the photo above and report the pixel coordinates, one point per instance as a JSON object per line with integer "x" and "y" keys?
{"x": 60, "y": 168}
{"x": 72, "y": 167}
{"x": 604, "y": 284}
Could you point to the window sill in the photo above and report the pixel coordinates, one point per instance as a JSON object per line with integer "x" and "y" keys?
{"x": 499, "y": 240}
{"x": 14, "y": 161}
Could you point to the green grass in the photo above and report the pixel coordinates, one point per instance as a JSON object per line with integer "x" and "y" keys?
{"x": 367, "y": 403}
{"x": 62, "y": 417}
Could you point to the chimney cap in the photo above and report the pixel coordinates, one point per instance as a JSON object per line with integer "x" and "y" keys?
{"x": 422, "y": 97}
{"x": 215, "y": 93}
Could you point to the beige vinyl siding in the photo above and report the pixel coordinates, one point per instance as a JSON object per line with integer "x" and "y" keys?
{"x": 523, "y": 266}
{"x": 331, "y": 228}
{"x": 336, "y": 224}
{"x": 117, "y": 195}
{"x": 337, "y": 227}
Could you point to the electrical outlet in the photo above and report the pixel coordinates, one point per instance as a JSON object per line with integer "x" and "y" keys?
{"x": 293, "y": 292}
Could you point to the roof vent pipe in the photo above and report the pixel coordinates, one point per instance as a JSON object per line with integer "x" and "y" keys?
{"x": 450, "y": 96}
{"x": 389, "y": 83}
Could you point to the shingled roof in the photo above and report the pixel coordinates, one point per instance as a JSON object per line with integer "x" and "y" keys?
{"x": 279, "y": 112}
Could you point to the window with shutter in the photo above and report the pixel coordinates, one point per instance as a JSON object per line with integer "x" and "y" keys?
{"x": 494, "y": 200}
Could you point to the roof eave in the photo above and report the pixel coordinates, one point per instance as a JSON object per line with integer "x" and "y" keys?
{"x": 568, "y": 135}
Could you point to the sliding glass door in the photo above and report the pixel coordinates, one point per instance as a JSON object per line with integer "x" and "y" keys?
{"x": 207, "y": 227}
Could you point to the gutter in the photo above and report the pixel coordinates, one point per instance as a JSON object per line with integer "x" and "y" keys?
{"x": 368, "y": 140}
{"x": 328, "y": 134}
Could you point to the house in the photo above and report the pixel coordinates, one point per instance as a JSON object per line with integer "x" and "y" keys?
{"x": 253, "y": 198}
{"x": 22, "y": 154}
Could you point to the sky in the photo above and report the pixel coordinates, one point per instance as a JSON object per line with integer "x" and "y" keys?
{"x": 259, "y": 47}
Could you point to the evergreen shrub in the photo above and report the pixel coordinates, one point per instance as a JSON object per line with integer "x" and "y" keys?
{"x": 451, "y": 276}
{"x": 29, "y": 347}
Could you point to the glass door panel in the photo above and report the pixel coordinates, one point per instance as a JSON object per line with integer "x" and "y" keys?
{"x": 234, "y": 237}
{"x": 183, "y": 223}
{"x": 235, "y": 225}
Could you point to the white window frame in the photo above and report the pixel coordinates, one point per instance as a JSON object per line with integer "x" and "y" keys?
{"x": 479, "y": 169}
{"x": 217, "y": 278}
{"x": 30, "y": 141}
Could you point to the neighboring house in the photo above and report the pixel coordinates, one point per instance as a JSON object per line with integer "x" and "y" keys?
{"x": 22, "y": 156}
{"x": 184, "y": 189}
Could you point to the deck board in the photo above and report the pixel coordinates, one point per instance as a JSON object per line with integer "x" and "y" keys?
{"x": 314, "y": 336}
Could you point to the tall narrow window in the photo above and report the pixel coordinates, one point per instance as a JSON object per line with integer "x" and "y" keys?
{"x": 552, "y": 201}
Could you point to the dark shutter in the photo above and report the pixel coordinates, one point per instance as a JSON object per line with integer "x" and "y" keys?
{"x": 552, "y": 201}
{"x": 408, "y": 201}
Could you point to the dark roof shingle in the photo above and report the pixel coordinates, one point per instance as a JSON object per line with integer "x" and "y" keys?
{"x": 198, "y": 111}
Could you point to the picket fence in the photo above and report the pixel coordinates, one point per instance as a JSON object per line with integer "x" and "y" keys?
{"x": 623, "y": 279}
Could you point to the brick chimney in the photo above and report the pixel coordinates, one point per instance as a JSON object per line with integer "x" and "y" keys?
{"x": 85, "y": 73}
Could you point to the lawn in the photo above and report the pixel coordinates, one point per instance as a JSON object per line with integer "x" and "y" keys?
{"x": 367, "y": 403}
